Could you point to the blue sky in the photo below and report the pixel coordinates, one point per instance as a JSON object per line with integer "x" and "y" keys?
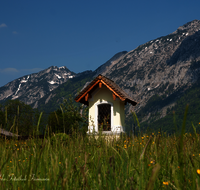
{"x": 81, "y": 34}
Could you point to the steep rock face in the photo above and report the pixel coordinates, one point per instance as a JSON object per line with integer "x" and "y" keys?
{"x": 161, "y": 66}
{"x": 32, "y": 87}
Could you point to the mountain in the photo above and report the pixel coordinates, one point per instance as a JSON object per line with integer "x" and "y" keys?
{"x": 38, "y": 89}
{"x": 31, "y": 88}
{"x": 160, "y": 75}
{"x": 161, "y": 66}
{"x": 51, "y": 101}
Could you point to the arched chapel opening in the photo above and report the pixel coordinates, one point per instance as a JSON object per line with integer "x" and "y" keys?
{"x": 104, "y": 117}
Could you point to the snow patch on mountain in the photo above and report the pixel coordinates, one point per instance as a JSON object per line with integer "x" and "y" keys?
{"x": 59, "y": 77}
{"x": 53, "y": 82}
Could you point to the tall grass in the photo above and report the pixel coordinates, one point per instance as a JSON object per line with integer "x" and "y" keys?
{"x": 150, "y": 161}
{"x": 145, "y": 162}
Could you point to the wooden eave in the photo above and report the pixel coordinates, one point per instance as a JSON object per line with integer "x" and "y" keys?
{"x": 97, "y": 83}
{"x": 82, "y": 96}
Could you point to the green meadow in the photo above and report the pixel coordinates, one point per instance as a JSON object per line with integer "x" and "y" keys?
{"x": 153, "y": 161}
{"x": 77, "y": 161}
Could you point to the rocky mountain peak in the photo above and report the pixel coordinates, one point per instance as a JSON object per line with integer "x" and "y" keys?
{"x": 192, "y": 25}
{"x": 31, "y": 88}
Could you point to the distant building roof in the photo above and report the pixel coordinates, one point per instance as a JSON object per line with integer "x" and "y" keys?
{"x": 7, "y": 133}
{"x": 117, "y": 91}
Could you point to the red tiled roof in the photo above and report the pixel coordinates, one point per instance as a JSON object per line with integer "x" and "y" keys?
{"x": 109, "y": 84}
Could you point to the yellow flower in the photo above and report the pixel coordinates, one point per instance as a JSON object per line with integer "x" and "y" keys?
{"x": 59, "y": 162}
{"x": 18, "y": 149}
{"x": 198, "y": 171}
{"x": 165, "y": 183}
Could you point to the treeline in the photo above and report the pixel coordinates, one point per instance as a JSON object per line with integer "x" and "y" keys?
{"x": 19, "y": 118}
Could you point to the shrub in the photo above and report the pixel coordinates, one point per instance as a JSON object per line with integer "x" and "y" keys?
{"x": 60, "y": 138}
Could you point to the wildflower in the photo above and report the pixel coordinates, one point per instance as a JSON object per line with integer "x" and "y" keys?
{"x": 193, "y": 155}
{"x": 165, "y": 183}
{"x": 59, "y": 162}
{"x": 18, "y": 149}
{"x": 11, "y": 161}
{"x": 152, "y": 162}
{"x": 198, "y": 171}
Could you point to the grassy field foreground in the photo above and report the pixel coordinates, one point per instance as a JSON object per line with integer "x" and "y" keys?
{"x": 153, "y": 161}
